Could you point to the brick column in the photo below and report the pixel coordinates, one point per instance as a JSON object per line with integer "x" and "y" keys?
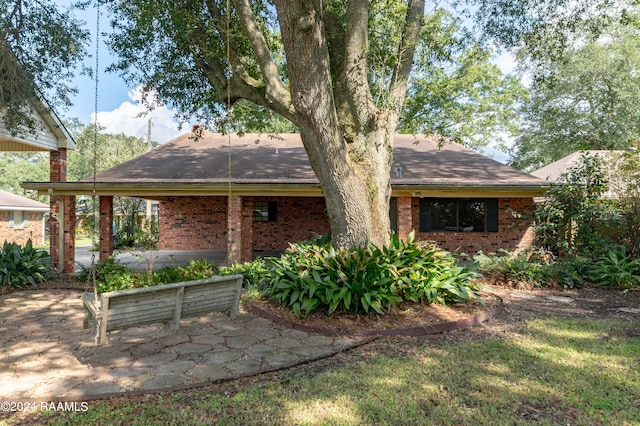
{"x": 234, "y": 229}
{"x": 106, "y": 227}
{"x": 405, "y": 220}
{"x": 57, "y": 173}
{"x": 69, "y": 227}
{"x": 240, "y": 228}
{"x": 247, "y": 230}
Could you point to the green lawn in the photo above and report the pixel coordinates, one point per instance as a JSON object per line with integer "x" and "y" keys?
{"x": 83, "y": 241}
{"x": 549, "y": 372}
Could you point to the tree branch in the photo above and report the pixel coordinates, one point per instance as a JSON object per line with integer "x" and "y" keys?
{"x": 356, "y": 47}
{"x": 407, "y": 49}
{"x": 275, "y": 90}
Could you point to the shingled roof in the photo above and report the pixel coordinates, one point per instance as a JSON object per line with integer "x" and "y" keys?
{"x": 258, "y": 161}
{"x": 9, "y": 201}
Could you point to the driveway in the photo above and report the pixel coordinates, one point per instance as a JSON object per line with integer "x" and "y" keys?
{"x": 155, "y": 259}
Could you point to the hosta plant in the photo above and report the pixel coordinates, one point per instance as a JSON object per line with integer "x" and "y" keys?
{"x": 616, "y": 269}
{"x": 20, "y": 266}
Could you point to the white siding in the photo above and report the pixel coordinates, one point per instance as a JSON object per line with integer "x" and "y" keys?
{"x": 41, "y": 139}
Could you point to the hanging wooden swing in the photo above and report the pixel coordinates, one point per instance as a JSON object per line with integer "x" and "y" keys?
{"x": 165, "y": 303}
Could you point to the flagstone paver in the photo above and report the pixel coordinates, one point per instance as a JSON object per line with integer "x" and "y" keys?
{"x": 46, "y": 354}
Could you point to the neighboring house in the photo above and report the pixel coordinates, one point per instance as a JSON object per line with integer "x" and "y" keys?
{"x": 456, "y": 197}
{"x": 51, "y": 136}
{"x": 21, "y": 219}
{"x": 555, "y": 171}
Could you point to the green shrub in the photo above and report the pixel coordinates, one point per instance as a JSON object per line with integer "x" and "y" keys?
{"x": 309, "y": 276}
{"x": 525, "y": 267}
{"x": 570, "y": 272}
{"x": 617, "y": 270}
{"x": 535, "y": 267}
{"x": 195, "y": 270}
{"x": 112, "y": 276}
{"x": 20, "y": 266}
{"x": 254, "y": 273}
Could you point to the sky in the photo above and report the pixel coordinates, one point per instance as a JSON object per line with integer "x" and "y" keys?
{"x": 118, "y": 107}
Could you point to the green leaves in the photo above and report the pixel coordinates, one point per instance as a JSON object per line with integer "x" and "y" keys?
{"x": 41, "y": 43}
{"x": 570, "y": 219}
{"x": 20, "y": 266}
{"x": 367, "y": 279}
{"x": 589, "y": 99}
{"x": 617, "y": 270}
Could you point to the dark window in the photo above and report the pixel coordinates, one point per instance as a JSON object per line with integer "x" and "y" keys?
{"x": 393, "y": 214}
{"x": 458, "y": 215}
{"x": 265, "y": 211}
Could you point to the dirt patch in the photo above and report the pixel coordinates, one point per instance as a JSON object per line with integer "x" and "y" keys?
{"x": 407, "y": 318}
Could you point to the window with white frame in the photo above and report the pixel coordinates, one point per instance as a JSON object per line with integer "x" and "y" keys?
{"x": 18, "y": 219}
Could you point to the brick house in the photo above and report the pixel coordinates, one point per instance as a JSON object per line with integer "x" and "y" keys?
{"x": 456, "y": 197}
{"x": 21, "y": 219}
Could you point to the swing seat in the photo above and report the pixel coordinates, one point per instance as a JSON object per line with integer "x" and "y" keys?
{"x": 166, "y": 303}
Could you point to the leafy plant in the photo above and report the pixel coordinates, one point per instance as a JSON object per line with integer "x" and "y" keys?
{"x": 20, "y": 266}
{"x": 363, "y": 279}
{"x": 569, "y": 221}
{"x": 514, "y": 270}
{"x": 617, "y": 270}
{"x": 111, "y": 275}
{"x": 569, "y": 272}
{"x": 254, "y": 272}
{"x": 194, "y": 270}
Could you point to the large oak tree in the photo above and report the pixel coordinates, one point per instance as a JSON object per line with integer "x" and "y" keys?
{"x": 339, "y": 70}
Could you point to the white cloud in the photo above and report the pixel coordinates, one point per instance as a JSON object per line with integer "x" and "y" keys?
{"x": 126, "y": 119}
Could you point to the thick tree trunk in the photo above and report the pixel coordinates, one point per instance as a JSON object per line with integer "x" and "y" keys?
{"x": 353, "y": 169}
{"x": 356, "y": 192}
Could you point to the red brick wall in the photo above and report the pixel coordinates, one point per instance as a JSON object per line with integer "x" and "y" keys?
{"x": 513, "y": 235}
{"x": 298, "y": 219}
{"x": 20, "y": 234}
{"x": 193, "y": 223}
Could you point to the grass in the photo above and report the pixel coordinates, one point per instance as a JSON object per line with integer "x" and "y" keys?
{"x": 83, "y": 240}
{"x": 552, "y": 371}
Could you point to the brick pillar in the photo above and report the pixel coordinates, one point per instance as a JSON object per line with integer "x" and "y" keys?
{"x": 405, "y": 221}
{"x": 57, "y": 173}
{"x": 247, "y": 230}
{"x": 54, "y": 233}
{"x": 240, "y": 228}
{"x": 69, "y": 227}
{"x": 58, "y": 165}
{"x": 106, "y": 227}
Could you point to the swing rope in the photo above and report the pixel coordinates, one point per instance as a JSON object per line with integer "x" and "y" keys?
{"x": 96, "y": 226}
{"x": 230, "y": 228}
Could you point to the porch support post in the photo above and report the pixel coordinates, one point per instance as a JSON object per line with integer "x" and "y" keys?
{"x": 240, "y": 228}
{"x": 106, "y": 227}
{"x": 405, "y": 217}
{"x": 69, "y": 234}
{"x": 57, "y": 173}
